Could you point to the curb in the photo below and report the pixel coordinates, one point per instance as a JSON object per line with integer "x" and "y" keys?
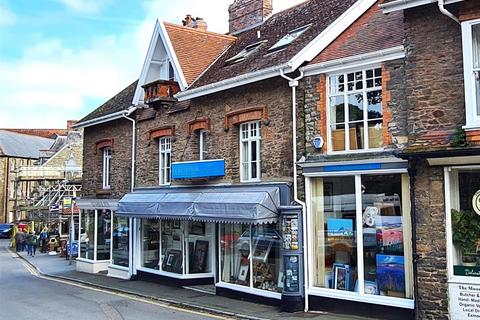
{"x": 172, "y": 303}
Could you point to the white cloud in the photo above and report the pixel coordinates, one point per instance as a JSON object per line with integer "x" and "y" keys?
{"x": 50, "y": 82}
{"x": 86, "y": 6}
{"x": 7, "y": 17}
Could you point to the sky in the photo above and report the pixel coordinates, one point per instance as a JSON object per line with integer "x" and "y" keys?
{"x": 61, "y": 59}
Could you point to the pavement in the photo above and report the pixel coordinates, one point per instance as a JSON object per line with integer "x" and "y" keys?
{"x": 183, "y": 297}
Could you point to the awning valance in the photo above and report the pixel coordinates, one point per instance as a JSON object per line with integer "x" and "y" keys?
{"x": 250, "y": 204}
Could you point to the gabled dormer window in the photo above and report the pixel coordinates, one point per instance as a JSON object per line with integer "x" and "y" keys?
{"x": 471, "y": 60}
{"x": 288, "y": 38}
{"x": 171, "y": 72}
{"x": 242, "y": 55}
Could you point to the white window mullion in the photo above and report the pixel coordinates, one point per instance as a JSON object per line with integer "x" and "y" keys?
{"x": 359, "y": 226}
{"x": 347, "y": 115}
{"x": 365, "y": 118}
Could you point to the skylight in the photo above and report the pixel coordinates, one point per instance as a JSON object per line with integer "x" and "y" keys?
{"x": 287, "y": 39}
{"x": 244, "y": 53}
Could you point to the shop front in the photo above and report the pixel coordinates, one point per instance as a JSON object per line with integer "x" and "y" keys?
{"x": 359, "y": 237}
{"x": 462, "y": 190}
{"x": 229, "y": 237}
{"x": 104, "y": 238}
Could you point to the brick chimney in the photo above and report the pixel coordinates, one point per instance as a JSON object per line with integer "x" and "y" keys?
{"x": 248, "y": 13}
{"x": 196, "y": 23}
{"x": 70, "y": 124}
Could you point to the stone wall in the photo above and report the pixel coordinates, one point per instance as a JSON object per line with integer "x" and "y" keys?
{"x": 432, "y": 300}
{"x": 120, "y": 174}
{"x": 434, "y": 70}
{"x": 272, "y": 95}
{"x": 75, "y": 148}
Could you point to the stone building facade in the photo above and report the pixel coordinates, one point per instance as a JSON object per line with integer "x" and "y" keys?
{"x": 118, "y": 135}
{"x": 270, "y": 102}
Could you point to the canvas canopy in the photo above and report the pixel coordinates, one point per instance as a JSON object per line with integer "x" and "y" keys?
{"x": 252, "y": 205}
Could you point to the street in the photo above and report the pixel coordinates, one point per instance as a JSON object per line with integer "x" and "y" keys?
{"x": 26, "y": 295}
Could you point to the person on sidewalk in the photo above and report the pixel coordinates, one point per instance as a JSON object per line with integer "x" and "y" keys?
{"x": 32, "y": 244}
{"x": 44, "y": 240}
{"x": 19, "y": 239}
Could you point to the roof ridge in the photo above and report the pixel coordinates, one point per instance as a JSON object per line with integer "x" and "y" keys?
{"x": 216, "y": 34}
{"x": 24, "y": 134}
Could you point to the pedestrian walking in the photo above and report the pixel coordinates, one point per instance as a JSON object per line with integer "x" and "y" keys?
{"x": 19, "y": 240}
{"x": 44, "y": 240}
{"x": 32, "y": 244}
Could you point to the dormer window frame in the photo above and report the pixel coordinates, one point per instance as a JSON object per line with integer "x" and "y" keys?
{"x": 287, "y": 39}
{"x": 242, "y": 55}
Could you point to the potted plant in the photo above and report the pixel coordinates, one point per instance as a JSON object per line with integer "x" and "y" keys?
{"x": 466, "y": 233}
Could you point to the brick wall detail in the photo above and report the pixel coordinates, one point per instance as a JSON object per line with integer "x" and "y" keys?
{"x": 245, "y": 115}
{"x": 199, "y": 124}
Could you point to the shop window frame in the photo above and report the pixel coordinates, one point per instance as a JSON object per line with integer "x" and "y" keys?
{"x": 364, "y": 91}
{"x": 472, "y": 106}
{"x": 452, "y": 195}
{"x": 250, "y": 289}
{"x": 361, "y": 296}
{"x": 184, "y": 235}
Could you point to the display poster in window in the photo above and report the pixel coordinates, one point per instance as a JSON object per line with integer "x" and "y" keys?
{"x": 291, "y": 274}
{"x": 464, "y": 301}
{"x": 290, "y": 233}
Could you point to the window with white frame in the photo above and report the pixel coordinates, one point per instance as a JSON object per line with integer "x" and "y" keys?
{"x": 202, "y": 150}
{"x": 165, "y": 157}
{"x": 250, "y": 169}
{"x": 471, "y": 56}
{"x": 107, "y": 155}
{"x": 355, "y": 115}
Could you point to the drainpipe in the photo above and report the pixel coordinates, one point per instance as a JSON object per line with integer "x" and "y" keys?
{"x": 412, "y": 172}
{"x": 130, "y": 221}
{"x": 293, "y": 83}
{"x": 125, "y": 115}
{"x": 441, "y": 6}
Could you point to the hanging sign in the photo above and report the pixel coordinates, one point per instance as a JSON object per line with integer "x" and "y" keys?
{"x": 476, "y": 202}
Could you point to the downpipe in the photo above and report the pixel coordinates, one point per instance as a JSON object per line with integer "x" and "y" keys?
{"x": 293, "y": 83}
{"x": 412, "y": 173}
{"x": 441, "y": 6}
{"x": 130, "y": 221}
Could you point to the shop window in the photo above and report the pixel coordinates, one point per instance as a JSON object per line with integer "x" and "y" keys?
{"x": 202, "y": 148}
{"x": 355, "y": 110}
{"x": 107, "y": 155}
{"x": 95, "y": 235}
{"x": 151, "y": 244}
{"x": 178, "y": 247}
{"x": 471, "y": 56}
{"x": 361, "y": 232}
{"x": 250, "y": 256}
{"x": 87, "y": 237}
{"x": 465, "y": 222}
{"x": 120, "y": 241}
{"x": 250, "y": 137}
{"x": 165, "y": 158}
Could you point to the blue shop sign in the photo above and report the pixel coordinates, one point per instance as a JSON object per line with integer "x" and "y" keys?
{"x": 198, "y": 169}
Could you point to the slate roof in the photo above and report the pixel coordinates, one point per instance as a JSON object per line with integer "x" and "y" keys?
{"x": 196, "y": 49}
{"x": 373, "y": 31}
{"x": 320, "y": 13}
{"x": 19, "y": 145}
{"x": 121, "y": 101}
{"x": 438, "y": 140}
{"x": 45, "y": 133}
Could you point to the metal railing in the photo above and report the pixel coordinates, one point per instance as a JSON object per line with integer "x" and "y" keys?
{"x": 48, "y": 173}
